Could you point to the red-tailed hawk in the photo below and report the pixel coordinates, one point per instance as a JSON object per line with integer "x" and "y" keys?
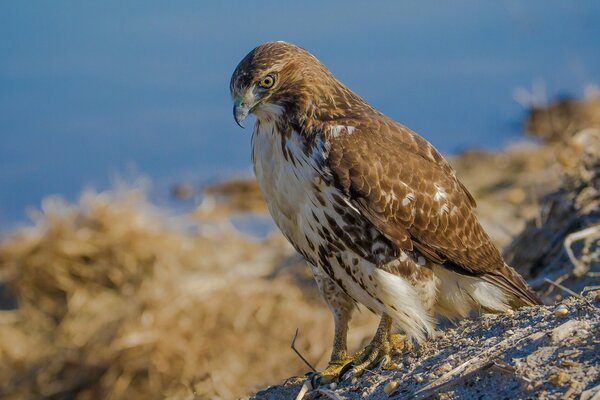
{"x": 373, "y": 207}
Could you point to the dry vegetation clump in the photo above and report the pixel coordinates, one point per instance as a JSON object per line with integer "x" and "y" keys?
{"x": 117, "y": 299}
{"x": 562, "y": 119}
{"x": 562, "y": 243}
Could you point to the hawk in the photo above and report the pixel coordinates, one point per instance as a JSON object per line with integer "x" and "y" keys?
{"x": 373, "y": 207}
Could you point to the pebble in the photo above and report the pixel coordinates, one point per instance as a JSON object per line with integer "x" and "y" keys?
{"x": 333, "y": 386}
{"x": 559, "y": 378}
{"x": 561, "y": 311}
{"x": 569, "y": 363}
{"x": 390, "y": 387}
{"x": 510, "y": 332}
{"x": 446, "y": 367}
{"x": 418, "y": 378}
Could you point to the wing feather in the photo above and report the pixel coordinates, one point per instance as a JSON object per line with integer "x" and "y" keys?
{"x": 411, "y": 194}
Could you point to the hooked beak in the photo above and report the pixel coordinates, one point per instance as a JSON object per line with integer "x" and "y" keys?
{"x": 240, "y": 112}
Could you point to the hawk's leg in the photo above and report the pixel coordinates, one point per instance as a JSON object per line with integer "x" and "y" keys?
{"x": 376, "y": 353}
{"x": 341, "y": 306}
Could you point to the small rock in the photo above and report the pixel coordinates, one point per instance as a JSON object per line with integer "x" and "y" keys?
{"x": 528, "y": 387}
{"x": 561, "y": 311}
{"x": 569, "y": 363}
{"x": 333, "y": 386}
{"x": 390, "y": 387}
{"x": 567, "y": 329}
{"x": 442, "y": 369}
{"x": 418, "y": 378}
{"x": 559, "y": 377}
{"x": 510, "y": 312}
{"x": 510, "y": 332}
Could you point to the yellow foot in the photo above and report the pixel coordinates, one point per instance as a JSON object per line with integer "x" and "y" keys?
{"x": 398, "y": 342}
{"x": 376, "y": 354}
{"x": 294, "y": 380}
{"x": 329, "y": 374}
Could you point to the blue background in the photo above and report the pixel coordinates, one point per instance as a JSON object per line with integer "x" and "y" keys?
{"x": 92, "y": 89}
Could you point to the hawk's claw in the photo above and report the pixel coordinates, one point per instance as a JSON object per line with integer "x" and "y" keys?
{"x": 346, "y": 372}
{"x": 314, "y": 378}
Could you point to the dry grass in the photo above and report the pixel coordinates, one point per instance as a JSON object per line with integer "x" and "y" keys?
{"x": 119, "y": 300}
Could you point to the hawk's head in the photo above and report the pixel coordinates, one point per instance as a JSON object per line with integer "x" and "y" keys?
{"x": 278, "y": 78}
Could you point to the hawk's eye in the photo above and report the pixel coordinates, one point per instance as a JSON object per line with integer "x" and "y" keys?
{"x": 267, "y": 82}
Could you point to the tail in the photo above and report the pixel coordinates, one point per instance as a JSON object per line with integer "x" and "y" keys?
{"x": 510, "y": 281}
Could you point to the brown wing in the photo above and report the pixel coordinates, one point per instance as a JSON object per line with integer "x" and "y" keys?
{"x": 411, "y": 194}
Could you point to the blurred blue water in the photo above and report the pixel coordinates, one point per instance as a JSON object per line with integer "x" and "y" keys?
{"x": 92, "y": 89}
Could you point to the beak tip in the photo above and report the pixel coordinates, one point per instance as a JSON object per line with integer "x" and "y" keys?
{"x": 239, "y": 115}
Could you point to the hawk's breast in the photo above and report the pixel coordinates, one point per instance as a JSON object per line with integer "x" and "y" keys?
{"x": 311, "y": 212}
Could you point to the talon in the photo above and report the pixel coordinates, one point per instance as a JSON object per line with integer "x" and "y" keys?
{"x": 345, "y": 370}
{"x": 315, "y": 379}
{"x": 384, "y": 362}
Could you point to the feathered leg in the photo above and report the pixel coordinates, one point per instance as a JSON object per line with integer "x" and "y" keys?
{"x": 341, "y": 306}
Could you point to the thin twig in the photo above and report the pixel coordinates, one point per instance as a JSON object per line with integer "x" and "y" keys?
{"x": 306, "y": 387}
{"x": 372, "y": 372}
{"x": 293, "y": 346}
{"x": 588, "y": 288}
{"x": 566, "y": 289}
{"x": 556, "y": 281}
{"x": 591, "y": 232}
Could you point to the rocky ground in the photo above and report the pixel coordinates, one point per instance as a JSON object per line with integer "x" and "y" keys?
{"x": 113, "y": 297}
{"x": 541, "y": 352}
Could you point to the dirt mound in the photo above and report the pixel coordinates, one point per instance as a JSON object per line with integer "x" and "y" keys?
{"x": 541, "y": 352}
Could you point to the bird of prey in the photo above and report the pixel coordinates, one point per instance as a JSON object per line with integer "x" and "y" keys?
{"x": 373, "y": 207}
